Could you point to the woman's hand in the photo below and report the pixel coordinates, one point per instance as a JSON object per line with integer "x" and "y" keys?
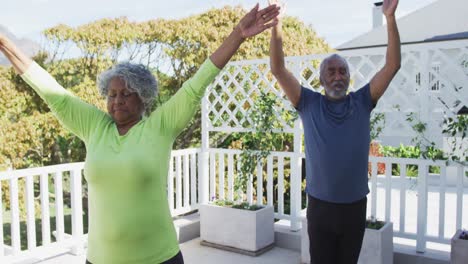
{"x": 16, "y": 57}
{"x": 257, "y": 21}
{"x": 253, "y": 23}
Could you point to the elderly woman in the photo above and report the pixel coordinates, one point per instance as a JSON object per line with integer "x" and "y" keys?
{"x": 127, "y": 152}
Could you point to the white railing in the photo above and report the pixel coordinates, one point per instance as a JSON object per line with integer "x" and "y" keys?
{"x": 181, "y": 183}
{"x": 402, "y": 199}
{"x": 183, "y": 178}
{"x": 421, "y": 208}
{"x": 196, "y": 175}
{"x": 21, "y": 184}
{"x": 267, "y": 187}
{"x": 406, "y": 201}
{"x": 430, "y": 84}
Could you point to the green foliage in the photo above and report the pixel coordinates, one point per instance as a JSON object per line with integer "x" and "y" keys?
{"x": 177, "y": 46}
{"x": 377, "y": 124}
{"x": 30, "y": 136}
{"x": 409, "y": 152}
{"x": 266, "y": 136}
{"x": 243, "y": 206}
{"x": 452, "y": 127}
{"x": 247, "y": 206}
{"x": 464, "y": 235}
{"x": 427, "y": 148}
{"x": 457, "y": 127}
{"x": 256, "y": 146}
{"x": 412, "y": 152}
{"x": 373, "y": 223}
{"x": 224, "y": 203}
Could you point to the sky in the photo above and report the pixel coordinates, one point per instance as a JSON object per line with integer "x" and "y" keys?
{"x": 337, "y": 21}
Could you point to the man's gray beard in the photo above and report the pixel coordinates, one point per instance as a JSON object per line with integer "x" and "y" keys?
{"x": 336, "y": 95}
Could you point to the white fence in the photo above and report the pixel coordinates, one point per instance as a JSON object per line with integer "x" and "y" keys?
{"x": 21, "y": 183}
{"x": 432, "y": 82}
{"x": 412, "y": 219}
{"x": 268, "y": 185}
{"x": 429, "y": 75}
{"x": 428, "y": 216}
{"x": 33, "y": 186}
{"x": 182, "y": 182}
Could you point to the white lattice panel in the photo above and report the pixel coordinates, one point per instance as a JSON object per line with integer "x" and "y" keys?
{"x": 234, "y": 92}
{"x": 432, "y": 81}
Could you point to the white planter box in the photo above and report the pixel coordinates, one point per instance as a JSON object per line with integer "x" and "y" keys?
{"x": 250, "y": 232}
{"x": 459, "y": 249}
{"x": 377, "y": 246}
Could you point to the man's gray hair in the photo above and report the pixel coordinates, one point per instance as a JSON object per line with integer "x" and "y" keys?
{"x": 137, "y": 78}
{"x": 325, "y": 61}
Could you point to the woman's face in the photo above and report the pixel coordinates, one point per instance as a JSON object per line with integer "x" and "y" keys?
{"x": 123, "y": 105}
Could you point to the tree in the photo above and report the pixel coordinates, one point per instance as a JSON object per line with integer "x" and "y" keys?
{"x": 179, "y": 46}
{"x": 188, "y": 48}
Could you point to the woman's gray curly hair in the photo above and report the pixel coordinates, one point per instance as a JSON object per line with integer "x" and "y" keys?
{"x": 136, "y": 77}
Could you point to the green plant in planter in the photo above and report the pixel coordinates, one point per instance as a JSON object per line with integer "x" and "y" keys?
{"x": 243, "y": 205}
{"x": 264, "y": 138}
{"x": 453, "y": 124}
{"x": 427, "y": 148}
{"x": 373, "y": 223}
{"x": 456, "y": 124}
{"x": 464, "y": 234}
{"x": 257, "y": 146}
{"x": 224, "y": 203}
{"x": 453, "y": 127}
{"x": 247, "y": 206}
{"x": 377, "y": 124}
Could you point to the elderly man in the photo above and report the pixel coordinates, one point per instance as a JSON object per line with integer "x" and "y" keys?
{"x": 337, "y": 137}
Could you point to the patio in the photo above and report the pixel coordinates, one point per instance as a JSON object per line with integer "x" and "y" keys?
{"x": 195, "y": 253}
{"x": 287, "y": 240}
{"x": 426, "y": 209}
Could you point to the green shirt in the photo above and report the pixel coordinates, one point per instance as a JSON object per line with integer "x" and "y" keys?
{"x": 129, "y": 216}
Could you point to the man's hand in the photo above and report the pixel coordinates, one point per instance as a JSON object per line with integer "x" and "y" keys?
{"x": 389, "y": 7}
{"x": 381, "y": 80}
{"x": 280, "y": 4}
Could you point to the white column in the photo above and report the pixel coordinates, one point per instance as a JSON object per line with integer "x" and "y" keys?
{"x": 422, "y": 208}
{"x": 204, "y": 155}
{"x": 77, "y": 212}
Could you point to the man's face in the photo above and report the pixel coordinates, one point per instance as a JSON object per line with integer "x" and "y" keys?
{"x": 335, "y": 78}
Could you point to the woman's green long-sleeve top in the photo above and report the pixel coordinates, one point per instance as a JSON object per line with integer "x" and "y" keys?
{"x": 129, "y": 216}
